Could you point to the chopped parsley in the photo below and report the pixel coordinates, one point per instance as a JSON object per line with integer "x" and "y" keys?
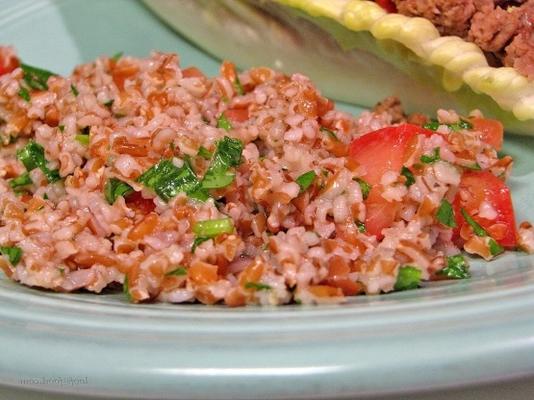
{"x": 33, "y": 156}
{"x": 331, "y": 134}
{"x": 361, "y": 226}
{"x": 257, "y": 286}
{"x": 430, "y": 159}
{"x": 305, "y": 180}
{"x": 445, "y": 214}
{"x": 227, "y": 155}
{"x": 365, "y": 187}
{"x": 126, "y": 288}
{"x": 36, "y": 78}
{"x": 167, "y": 180}
{"x": 21, "y": 180}
{"x": 61, "y": 128}
{"x": 197, "y": 242}
{"x": 179, "y": 271}
{"x": 474, "y": 167}
{"x": 494, "y": 247}
{"x": 224, "y": 123}
{"x": 213, "y": 227}
{"x": 408, "y": 278}
{"x": 115, "y": 188}
{"x": 434, "y": 125}
{"x": 410, "y": 178}
{"x": 204, "y": 153}
{"x": 238, "y": 86}
{"x": 82, "y": 139}
{"x": 457, "y": 268}
{"x": 462, "y": 124}
{"x": 74, "y": 90}
{"x": 117, "y": 56}
{"x": 109, "y": 103}
{"x": 477, "y": 229}
{"x": 13, "y": 254}
{"x": 25, "y": 94}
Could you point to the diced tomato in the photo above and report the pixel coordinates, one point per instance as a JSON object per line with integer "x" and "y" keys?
{"x": 387, "y": 5}
{"x": 237, "y": 114}
{"x": 380, "y": 212}
{"x": 486, "y": 187}
{"x": 385, "y": 149}
{"x": 491, "y": 131}
{"x": 8, "y": 61}
{"x": 377, "y": 152}
{"x": 136, "y": 201}
{"x": 192, "y": 72}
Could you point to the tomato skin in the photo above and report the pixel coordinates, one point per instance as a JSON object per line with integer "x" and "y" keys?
{"x": 137, "y": 202}
{"x": 8, "y": 62}
{"x": 484, "y": 186}
{"x": 385, "y": 149}
{"x": 237, "y": 114}
{"x": 387, "y": 5}
{"x": 377, "y": 152}
{"x": 491, "y": 131}
{"x": 380, "y": 212}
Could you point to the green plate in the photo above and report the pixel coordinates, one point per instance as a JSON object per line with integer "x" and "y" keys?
{"x": 445, "y": 335}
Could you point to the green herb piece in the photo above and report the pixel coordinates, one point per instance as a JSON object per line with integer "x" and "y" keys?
{"x": 109, "y": 103}
{"x": 180, "y": 271}
{"x": 126, "y": 288}
{"x": 213, "y": 227}
{"x": 457, "y": 268}
{"x": 477, "y": 229}
{"x": 227, "y": 155}
{"x": 74, "y": 90}
{"x": 361, "y": 226}
{"x": 364, "y": 187}
{"x": 445, "y": 214}
{"x": 408, "y": 278}
{"x": 32, "y": 156}
{"x": 25, "y": 94}
{"x": 257, "y": 286}
{"x": 432, "y": 158}
{"x": 238, "y": 86}
{"x": 45, "y": 196}
{"x": 433, "y": 125}
{"x": 167, "y": 180}
{"x": 82, "y": 139}
{"x": 61, "y": 270}
{"x": 197, "y": 242}
{"x": 473, "y": 167}
{"x": 494, "y": 247}
{"x": 331, "y": 134}
{"x": 115, "y": 188}
{"x": 117, "y": 56}
{"x": 224, "y": 123}
{"x": 61, "y": 128}
{"x": 13, "y": 254}
{"x": 21, "y": 180}
{"x": 462, "y": 124}
{"x": 204, "y": 153}
{"x": 410, "y": 178}
{"x": 36, "y": 78}
{"x": 305, "y": 180}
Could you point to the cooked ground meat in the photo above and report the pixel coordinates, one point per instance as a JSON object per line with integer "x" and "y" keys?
{"x": 451, "y": 17}
{"x": 492, "y": 28}
{"x": 503, "y": 29}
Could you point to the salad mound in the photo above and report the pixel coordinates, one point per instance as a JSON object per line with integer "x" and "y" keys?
{"x": 245, "y": 188}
